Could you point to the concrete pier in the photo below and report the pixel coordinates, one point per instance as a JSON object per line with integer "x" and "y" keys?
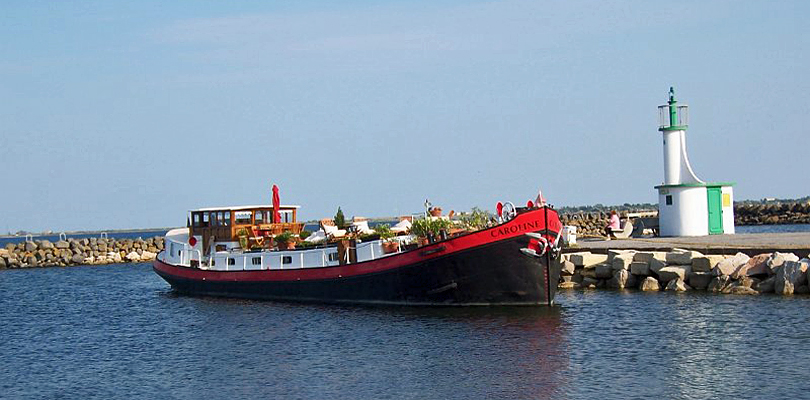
{"x": 749, "y": 243}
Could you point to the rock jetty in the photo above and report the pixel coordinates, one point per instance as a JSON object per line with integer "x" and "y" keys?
{"x": 683, "y": 270}
{"x": 772, "y": 213}
{"x": 70, "y": 252}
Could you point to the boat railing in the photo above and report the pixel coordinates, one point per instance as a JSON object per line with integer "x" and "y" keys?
{"x": 187, "y": 256}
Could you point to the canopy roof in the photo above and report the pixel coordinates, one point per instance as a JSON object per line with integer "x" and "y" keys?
{"x": 237, "y": 208}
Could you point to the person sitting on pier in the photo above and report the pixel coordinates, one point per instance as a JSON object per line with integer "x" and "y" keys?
{"x": 614, "y": 224}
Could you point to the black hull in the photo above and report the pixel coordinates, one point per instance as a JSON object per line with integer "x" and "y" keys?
{"x": 491, "y": 274}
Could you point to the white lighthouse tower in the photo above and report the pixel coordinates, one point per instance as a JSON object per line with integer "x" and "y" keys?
{"x": 688, "y": 206}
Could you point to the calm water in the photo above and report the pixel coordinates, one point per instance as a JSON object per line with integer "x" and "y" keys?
{"x": 119, "y": 332}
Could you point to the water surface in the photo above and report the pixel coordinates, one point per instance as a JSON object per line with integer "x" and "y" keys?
{"x": 120, "y": 332}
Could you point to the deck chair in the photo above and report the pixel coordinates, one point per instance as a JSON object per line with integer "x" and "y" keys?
{"x": 331, "y": 230}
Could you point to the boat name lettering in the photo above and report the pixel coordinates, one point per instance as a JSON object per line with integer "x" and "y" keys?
{"x": 506, "y": 230}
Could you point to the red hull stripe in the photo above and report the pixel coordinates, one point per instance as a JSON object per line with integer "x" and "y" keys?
{"x": 531, "y": 221}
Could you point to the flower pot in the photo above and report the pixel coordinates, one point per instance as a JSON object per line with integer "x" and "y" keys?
{"x": 286, "y": 245}
{"x": 390, "y": 247}
{"x": 436, "y": 212}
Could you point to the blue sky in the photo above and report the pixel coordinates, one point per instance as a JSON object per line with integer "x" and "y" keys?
{"x": 127, "y": 114}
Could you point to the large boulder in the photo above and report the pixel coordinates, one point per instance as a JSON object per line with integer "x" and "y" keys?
{"x": 649, "y": 284}
{"x": 777, "y": 259}
{"x": 706, "y": 263}
{"x": 62, "y": 244}
{"x": 677, "y": 285}
{"x": 2, "y": 263}
{"x": 766, "y": 286}
{"x": 588, "y": 283}
{"x": 787, "y": 277}
{"x": 640, "y": 268}
{"x": 671, "y": 272}
{"x": 604, "y": 271}
{"x": 613, "y": 253}
{"x": 46, "y": 245}
{"x": 133, "y": 257}
{"x": 622, "y": 261}
{"x": 699, "y": 280}
{"x": 587, "y": 259}
{"x": 740, "y": 290}
{"x": 147, "y": 256}
{"x": 567, "y": 267}
{"x": 619, "y": 279}
{"x": 646, "y": 256}
{"x": 719, "y": 283}
{"x": 30, "y": 246}
{"x": 656, "y": 265}
{"x": 77, "y": 259}
{"x": 730, "y": 265}
{"x": 568, "y": 285}
{"x": 681, "y": 257}
{"x": 756, "y": 265}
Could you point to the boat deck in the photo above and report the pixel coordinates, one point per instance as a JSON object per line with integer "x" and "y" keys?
{"x": 748, "y": 243}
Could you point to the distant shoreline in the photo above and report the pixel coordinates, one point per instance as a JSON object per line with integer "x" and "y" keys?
{"x": 95, "y": 232}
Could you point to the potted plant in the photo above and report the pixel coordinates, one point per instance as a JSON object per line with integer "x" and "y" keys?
{"x": 476, "y": 219}
{"x": 285, "y": 241}
{"x": 242, "y": 234}
{"x": 428, "y": 229}
{"x": 389, "y": 244}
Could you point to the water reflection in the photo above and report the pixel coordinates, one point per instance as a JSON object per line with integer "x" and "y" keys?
{"x": 120, "y": 332}
{"x": 498, "y": 351}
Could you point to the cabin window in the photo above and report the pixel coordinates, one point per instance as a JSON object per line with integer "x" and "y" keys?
{"x": 242, "y": 217}
{"x": 205, "y": 219}
{"x": 286, "y": 260}
{"x": 333, "y": 257}
{"x": 227, "y": 218}
{"x": 669, "y": 199}
{"x": 214, "y": 219}
{"x": 221, "y": 247}
{"x": 259, "y": 217}
{"x": 231, "y": 261}
{"x": 195, "y": 219}
{"x": 256, "y": 261}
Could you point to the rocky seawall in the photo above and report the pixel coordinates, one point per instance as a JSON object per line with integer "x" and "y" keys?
{"x": 88, "y": 251}
{"x": 684, "y": 270}
{"x": 772, "y": 213}
{"x": 592, "y": 223}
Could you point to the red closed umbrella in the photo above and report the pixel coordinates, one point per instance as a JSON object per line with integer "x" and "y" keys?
{"x": 276, "y": 204}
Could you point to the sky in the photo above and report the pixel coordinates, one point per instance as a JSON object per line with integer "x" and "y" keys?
{"x": 127, "y": 114}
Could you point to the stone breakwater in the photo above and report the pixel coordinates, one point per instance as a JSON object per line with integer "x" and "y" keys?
{"x": 593, "y": 223}
{"x": 772, "y": 213}
{"x": 682, "y": 270}
{"x": 88, "y": 251}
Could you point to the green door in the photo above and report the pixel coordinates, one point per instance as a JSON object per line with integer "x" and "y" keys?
{"x": 715, "y": 211}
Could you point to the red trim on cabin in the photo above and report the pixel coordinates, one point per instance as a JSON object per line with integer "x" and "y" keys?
{"x": 531, "y": 221}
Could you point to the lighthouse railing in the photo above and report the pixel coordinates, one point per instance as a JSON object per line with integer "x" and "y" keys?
{"x": 670, "y": 116}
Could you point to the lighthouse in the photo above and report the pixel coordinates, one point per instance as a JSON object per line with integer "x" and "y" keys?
{"x": 688, "y": 206}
